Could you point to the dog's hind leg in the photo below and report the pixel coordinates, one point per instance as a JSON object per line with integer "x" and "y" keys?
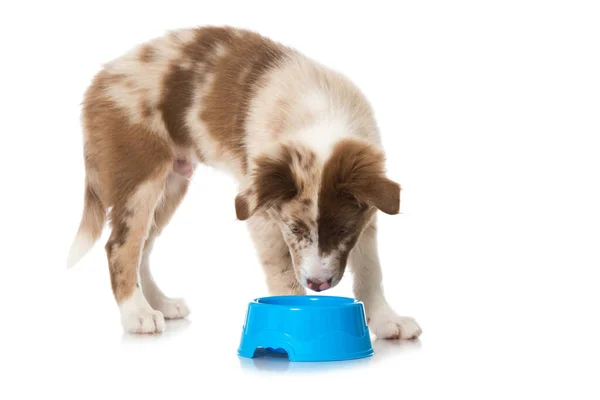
{"x": 131, "y": 219}
{"x": 274, "y": 256}
{"x": 175, "y": 189}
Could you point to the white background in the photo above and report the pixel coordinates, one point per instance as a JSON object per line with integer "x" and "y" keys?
{"x": 490, "y": 113}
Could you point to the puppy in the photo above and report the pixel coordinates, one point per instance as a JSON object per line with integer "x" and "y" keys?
{"x": 300, "y": 139}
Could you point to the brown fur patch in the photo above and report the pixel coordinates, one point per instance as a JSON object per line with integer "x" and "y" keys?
{"x": 146, "y": 54}
{"x": 309, "y": 161}
{"x": 122, "y": 276}
{"x": 176, "y": 101}
{"x": 353, "y": 186}
{"x": 117, "y": 148}
{"x": 247, "y": 58}
{"x": 236, "y": 60}
{"x": 103, "y": 80}
{"x": 119, "y": 227}
{"x": 180, "y": 83}
{"x": 357, "y": 169}
{"x": 117, "y": 151}
{"x": 242, "y": 210}
{"x": 94, "y": 214}
{"x": 122, "y": 279}
{"x": 275, "y": 180}
{"x": 147, "y": 109}
{"x": 301, "y": 229}
{"x": 282, "y": 184}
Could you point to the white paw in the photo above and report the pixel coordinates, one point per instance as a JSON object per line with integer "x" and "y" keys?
{"x": 386, "y": 324}
{"x": 143, "y": 321}
{"x": 138, "y": 317}
{"x": 172, "y": 308}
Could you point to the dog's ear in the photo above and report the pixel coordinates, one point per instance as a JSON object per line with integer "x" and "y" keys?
{"x": 381, "y": 192}
{"x": 359, "y": 171}
{"x": 245, "y": 204}
{"x": 272, "y": 181}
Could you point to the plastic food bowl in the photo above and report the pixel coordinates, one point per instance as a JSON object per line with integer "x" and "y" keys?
{"x": 306, "y": 328}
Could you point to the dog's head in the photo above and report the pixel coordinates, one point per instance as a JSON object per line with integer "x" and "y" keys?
{"x": 321, "y": 206}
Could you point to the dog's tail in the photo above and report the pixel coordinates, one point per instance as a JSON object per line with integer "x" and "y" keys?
{"x": 90, "y": 227}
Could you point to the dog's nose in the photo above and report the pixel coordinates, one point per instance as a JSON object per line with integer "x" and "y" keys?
{"x": 317, "y": 285}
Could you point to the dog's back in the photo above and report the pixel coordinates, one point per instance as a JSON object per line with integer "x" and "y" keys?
{"x": 216, "y": 95}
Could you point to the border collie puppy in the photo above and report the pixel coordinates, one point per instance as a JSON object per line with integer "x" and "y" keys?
{"x": 300, "y": 139}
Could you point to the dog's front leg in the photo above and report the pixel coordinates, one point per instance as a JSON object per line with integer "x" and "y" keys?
{"x": 364, "y": 263}
{"x": 274, "y": 256}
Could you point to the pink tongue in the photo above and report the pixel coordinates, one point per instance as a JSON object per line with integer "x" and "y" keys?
{"x": 323, "y": 285}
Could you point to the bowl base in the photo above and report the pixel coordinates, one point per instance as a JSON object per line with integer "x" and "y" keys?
{"x": 280, "y": 353}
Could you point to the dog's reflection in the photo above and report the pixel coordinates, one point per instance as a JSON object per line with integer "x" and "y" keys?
{"x": 173, "y": 328}
{"x": 279, "y": 363}
{"x": 386, "y": 348}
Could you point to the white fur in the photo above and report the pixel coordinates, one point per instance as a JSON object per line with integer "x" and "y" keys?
{"x": 142, "y": 83}
{"x": 80, "y": 247}
{"x": 170, "y": 308}
{"x": 384, "y": 322}
{"x": 321, "y": 108}
{"x": 316, "y": 267}
{"x": 137, "y": 316}
{"x": 324, "y": 134}
{"x": 220, "y": 50}
{"x": 312, "y": 266}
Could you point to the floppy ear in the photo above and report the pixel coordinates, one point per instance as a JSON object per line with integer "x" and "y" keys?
{"x": 245, "y": 204}
{"x": 272, "y": 182}
{"x": 360, "y": 173}
{"x": 382, "y": 193}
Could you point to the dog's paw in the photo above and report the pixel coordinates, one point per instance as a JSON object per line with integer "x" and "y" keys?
{"x": 143, "y": 321}
{"x": 172, "y": 308}
{"x": 386, "y": 324}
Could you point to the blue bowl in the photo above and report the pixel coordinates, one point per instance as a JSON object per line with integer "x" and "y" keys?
{"x": 306, "y": 328}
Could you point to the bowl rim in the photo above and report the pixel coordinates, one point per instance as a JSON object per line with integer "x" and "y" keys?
{"x": 345, "y": 302}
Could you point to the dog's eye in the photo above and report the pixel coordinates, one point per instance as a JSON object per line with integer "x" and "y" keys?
{"x": 342, "y": 231}
{"x": 295, "y": 229}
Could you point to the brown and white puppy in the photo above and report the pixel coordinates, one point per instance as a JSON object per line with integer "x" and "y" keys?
{"x": 299, "y": 138}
